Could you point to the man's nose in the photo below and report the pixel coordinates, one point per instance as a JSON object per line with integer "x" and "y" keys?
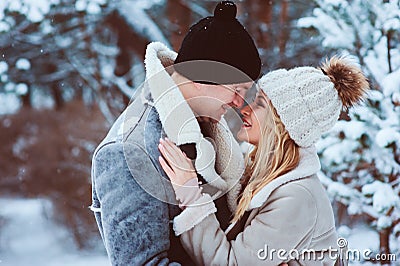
{"x": 238, "y": 101}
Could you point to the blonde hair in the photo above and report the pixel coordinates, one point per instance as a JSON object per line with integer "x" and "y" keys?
{"x": 275, "y": 155}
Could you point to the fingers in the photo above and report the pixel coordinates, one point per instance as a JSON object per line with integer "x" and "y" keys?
{"x": 175, "y": 163}
{"x": 172, "y": 153}
{"x": 172, "y": 148}
{"x": 170, "y": 173}
{"x": 177, "y": 153}
{"x": 165, "y": 151}
{"x": 177, "y": 160}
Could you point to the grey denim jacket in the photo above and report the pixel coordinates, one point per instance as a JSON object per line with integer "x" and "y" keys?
{"x": 135, "y": 226}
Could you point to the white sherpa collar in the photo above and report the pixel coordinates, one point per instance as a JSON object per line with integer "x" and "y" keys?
{"x": 181, "y": 126}
{"x": 309, "y": 164}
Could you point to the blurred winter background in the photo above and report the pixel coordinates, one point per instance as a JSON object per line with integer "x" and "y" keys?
{"x": 69, "y": 67}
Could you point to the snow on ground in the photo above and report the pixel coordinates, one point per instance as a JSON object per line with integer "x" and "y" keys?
{"x": 361, "y": 238}
{"x": 29, "y": 237}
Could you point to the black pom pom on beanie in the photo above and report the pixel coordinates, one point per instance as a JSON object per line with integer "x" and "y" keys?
{"x": 222, "y": 39}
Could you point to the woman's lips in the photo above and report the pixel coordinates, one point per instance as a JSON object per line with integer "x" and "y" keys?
{"x": 246, "y": 124}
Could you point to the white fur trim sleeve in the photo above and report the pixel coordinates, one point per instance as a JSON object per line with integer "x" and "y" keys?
{"x": 194, "y": 214}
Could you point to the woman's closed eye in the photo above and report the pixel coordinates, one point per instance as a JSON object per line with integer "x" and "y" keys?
{"x": 260, "y": 104}
{"x": 260, "y": 101}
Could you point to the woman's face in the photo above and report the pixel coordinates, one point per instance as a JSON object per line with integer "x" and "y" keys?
{"x": 254, "y": 119}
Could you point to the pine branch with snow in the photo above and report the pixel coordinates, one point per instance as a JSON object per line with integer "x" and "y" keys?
{"x": 360, "y": 156}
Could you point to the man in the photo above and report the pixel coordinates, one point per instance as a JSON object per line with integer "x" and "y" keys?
{"x": 183, "y": 98}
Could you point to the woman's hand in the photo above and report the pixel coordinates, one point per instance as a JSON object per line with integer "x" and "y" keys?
{"x": 175, "y": 163}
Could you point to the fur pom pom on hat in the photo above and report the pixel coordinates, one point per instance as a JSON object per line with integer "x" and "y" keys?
{"x": 309, "y": 100}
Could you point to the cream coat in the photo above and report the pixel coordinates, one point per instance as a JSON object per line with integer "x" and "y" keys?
{"x": 292, "y": 212}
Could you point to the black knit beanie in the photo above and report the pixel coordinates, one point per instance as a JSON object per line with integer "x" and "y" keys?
{"x": 219, "y": 50}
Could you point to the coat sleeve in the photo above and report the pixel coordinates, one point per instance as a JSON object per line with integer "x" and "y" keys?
{"x": 134, "y": 224}
{"x": 286, "y": 222}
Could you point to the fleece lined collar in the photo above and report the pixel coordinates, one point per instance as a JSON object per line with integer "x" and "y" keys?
{"x": 181, "y": 126}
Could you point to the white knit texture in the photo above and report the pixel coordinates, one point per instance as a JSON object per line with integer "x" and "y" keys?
{"x": 306, "y": 101}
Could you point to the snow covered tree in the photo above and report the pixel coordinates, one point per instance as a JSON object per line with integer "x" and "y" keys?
{"x": 37, "y": 40}
{"x": 54, "y": 50}
{"x": 361, "y": 155}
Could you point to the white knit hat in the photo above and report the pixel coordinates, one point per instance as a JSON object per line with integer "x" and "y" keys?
{"x": 309, "y": 100}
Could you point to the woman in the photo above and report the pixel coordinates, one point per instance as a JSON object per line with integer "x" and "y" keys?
{"x": 282, "y": 209}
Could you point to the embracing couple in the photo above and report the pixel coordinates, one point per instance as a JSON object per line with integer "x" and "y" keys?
{"x": 170, "y": 184}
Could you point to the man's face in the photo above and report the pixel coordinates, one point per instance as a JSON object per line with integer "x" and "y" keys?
{"x": 213, "y": 101}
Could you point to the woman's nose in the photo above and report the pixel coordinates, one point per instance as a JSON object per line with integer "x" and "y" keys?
{"x": 245, "y": 111}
